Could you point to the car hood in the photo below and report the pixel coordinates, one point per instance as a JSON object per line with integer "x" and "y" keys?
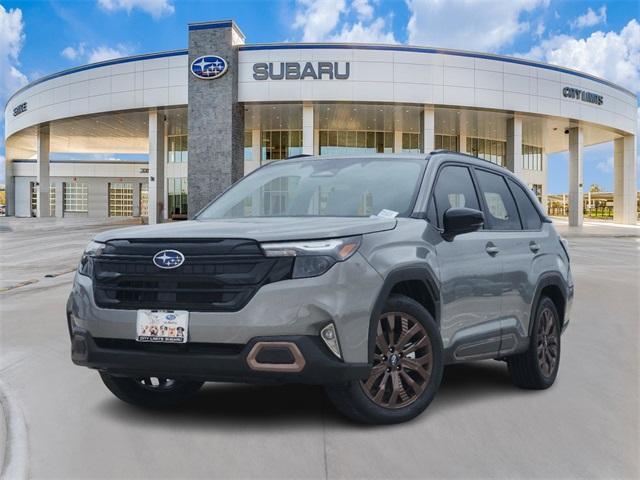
{"x": 259, "y": 229}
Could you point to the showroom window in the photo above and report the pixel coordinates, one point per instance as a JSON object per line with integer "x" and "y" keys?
{"x": 144, "y": 200}
{"x": 52, "y": 199}
{"x": 411, "y": 143}
{"x": 177, "y": 148}
{"x": 447, "y": 142}
{"x": 536, "y": 188}
{"x": 354, "y": 142}
{"x": 177, "y": 196}
{"x": 248, "y": 150}
{"x": 76, "y": 197}
{"x": 492, "y": 150}
{"x": 120, "y": 199}
{"x": 280, "y": 144}
{"x": 532, "y": 157}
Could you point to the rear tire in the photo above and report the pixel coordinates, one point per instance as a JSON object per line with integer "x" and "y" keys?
{"x": 537, "y": 368}
{"x": 406, "y": 372}
{"x": 150, "y": 392}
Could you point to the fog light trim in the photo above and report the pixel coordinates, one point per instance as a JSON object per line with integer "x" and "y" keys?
{"x": 329, "y": 336}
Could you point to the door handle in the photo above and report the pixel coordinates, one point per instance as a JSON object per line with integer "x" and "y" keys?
{"x": 492, "y": 249}
{"x": 534, "y": 247}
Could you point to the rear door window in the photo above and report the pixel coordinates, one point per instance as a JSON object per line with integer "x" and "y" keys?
{"x": 528, "y": 212}
{"x": 501, "y": 213}
{"x": 454, "y": 188}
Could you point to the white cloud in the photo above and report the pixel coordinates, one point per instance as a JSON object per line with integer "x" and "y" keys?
{"x": 359, "y": 33}
{"x": 335, "y": 20}
{"x": 590, "y": 18}
{"x": 485, "y": 25}
{"x": 73, "y": 52}
{"x": 605, "y": 166}
{"x": 156, "y": 8}
{"x": 611, "y": 55}
{"x": 11, "y": 40}
{"x": 317, "y": 19}
{"x": 363, "y": 8}
{"x": 102, "y": 53}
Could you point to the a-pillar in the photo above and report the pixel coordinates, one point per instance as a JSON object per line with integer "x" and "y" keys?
{"x": 42, "y": 171}
{"x": 514, "y": 145}
{"x": 576, "y": 194}
{"x": 307, "y": 129}
{"x": 428, "y": 129}
{"x": 156, "y": 166}
{"x": 625, "y": 177}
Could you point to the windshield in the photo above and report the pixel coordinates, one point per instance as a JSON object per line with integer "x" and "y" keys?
{"x": 337, "y": 187}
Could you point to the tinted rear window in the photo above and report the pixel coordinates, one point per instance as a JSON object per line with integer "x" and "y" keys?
{"x": 528, "y": 212}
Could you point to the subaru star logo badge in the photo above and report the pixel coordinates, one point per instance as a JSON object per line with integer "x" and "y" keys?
{"x": 168, "y": 259}
{"x": 209, "y": 67}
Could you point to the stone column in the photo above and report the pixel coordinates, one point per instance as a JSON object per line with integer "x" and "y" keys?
{"x": 514, "y": 145}
{"x": 397, "y": 141}
{"x": 625, "y": 178}
{"x": 42, "y": 171}
{"x": 157, "y": 180}
{"x": 216, "y": 119}
{"x": 428, "y": 129}
{"x": 576, "y": 195}
{"x": 307, "y": 129}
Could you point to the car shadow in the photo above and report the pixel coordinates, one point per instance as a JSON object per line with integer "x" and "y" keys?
{"x": 299, "y": 406}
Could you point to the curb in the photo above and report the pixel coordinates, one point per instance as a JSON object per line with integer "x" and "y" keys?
{"x": 14, "y": 466}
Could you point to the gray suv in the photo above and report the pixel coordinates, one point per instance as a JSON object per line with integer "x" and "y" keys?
{"x": 363, "y": 274}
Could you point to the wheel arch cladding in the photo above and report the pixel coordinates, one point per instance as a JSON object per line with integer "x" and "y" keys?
{"x": 551, "y": 285}
{"x": 417, "y": 283}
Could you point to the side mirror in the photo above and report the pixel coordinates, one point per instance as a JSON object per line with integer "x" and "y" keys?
{"x": 461, "y": 220}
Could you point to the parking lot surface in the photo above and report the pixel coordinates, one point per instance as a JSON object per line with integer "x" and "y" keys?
{"x": 478, "y": 426}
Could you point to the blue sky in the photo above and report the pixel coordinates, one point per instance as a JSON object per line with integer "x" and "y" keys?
{"x": 41, "y": 37}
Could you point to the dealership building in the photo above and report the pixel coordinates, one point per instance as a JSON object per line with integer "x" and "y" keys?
{"x": 186, "y": 124}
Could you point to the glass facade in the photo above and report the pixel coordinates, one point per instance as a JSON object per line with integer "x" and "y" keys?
{"x": 177, "y": 197}
{"x": 446, "y": 142}
{"x": 52, "y": 200}
{"x": 532, "y": 157}
{"x": 120, "y": 199}
{"x": 350, "y": 142}
{"x": 76, "y": 197}
{"x": 248, "y": 148}
{"x": 144, "y": 200}
{"x": 411, "y": 143}
{"x": 279, "y": 144}
{"x": 492, "y": 150}
{"x": 177, "y": 148}
{"x": 536, "y": 188}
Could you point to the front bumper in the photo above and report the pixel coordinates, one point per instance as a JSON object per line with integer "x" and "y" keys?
{"x": 210, "y": 362}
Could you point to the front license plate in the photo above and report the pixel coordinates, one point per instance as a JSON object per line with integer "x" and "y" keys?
{"x": 162, "y": 326}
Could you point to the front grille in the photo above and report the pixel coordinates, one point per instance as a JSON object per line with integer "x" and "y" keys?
{"x": 217, "y": 275}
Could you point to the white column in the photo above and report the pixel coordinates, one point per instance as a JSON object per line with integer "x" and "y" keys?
{"x": 307, "y": 128}
{"x": 428, "y": 129}
{"x": 575, "y": 177}
{"x": 397, "y": 141}
{"x": 157, "y": 180}
{"x": 625, "y": 177}
{"x": 514, "y": 145}
{"x": 9, "y": 187}
{"x": 42, "y": 171}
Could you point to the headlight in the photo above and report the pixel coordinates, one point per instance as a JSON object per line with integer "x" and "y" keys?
{"x": 94, "y": 249}
{"x": 314, "y": 257}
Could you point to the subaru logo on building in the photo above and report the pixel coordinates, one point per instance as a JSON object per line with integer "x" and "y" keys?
{"x": 168, "y": 259}
{"x": 209, "y": 67}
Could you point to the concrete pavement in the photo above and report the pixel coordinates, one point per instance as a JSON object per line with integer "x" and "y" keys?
{"x": 478, "y": 426}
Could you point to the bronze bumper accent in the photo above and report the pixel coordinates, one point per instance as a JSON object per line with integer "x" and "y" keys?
{"x": 296, "y": 366}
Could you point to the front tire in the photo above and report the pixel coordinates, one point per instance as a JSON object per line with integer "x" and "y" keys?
{"x": 406, "y": 372}
{"x": 150, "y": 392}
{"x": 537, "y": 368}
